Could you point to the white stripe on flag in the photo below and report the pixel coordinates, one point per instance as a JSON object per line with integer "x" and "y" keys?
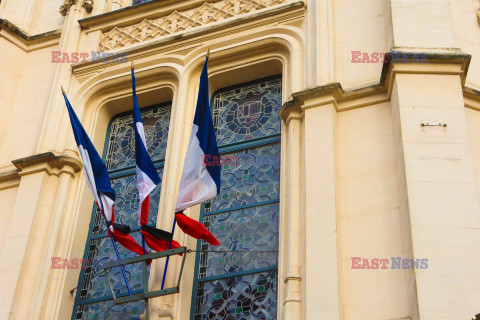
{"x": 103, "y": 200}
{"x": 141, "y": 131}
{"x": 196, "y": 184}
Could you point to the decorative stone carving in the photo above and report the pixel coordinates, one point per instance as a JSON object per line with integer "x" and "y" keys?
{"x": 88, "y": 5}
{"x": 67, "y": 4}
{"x": 180, "y": 21}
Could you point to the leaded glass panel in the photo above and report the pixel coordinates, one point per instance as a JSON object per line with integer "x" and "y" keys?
{"x": 246, "y": 297}
{"x": 247, "y": 112}
{"x": 252, "y": 229}
{"x": 126, "y": 204}
{"x": 100, "y": 252}
{"x": 238, "y": 278}
{"x": 107, "y": 310}
{"x": 254, "y": 179}
{"x": 121, "y": 143}
{"x": 94, "y": 299}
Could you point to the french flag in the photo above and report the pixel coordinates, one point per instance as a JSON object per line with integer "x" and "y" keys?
{"x": 147, "y": 180}
{"x": 98, "y": 182}
{"x": 199, "y": 182}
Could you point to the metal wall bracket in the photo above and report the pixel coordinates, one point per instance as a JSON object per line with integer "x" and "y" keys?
{"x": 433, "y": 124}
{"x": 145, "y": 295}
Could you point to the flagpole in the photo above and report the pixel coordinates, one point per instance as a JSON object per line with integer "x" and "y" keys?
{"x": 168, "y": 257}
{"x": 116, "y": 249}
{"x": 132, "y": 67}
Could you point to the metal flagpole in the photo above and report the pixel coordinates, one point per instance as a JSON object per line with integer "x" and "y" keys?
{"x": 168, "y": 257}
{"x": 145, "y": 280}
{"x": 116, "y": 249}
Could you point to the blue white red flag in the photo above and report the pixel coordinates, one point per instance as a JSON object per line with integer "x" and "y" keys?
{"x": 147, "y": 180}
{"x": 98, "y": 182}
{"x": 199, "y": 182}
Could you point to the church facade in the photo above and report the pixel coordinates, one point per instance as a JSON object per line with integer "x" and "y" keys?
{"x": 350, "y": 140}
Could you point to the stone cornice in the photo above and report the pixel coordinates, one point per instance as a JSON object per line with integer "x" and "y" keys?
{"x": 51, "y": 162}
{"x": 26, "y": 42}
{"x": 472, "y": 98}
{"x": 433, "y": 62}
{"x": 177, "y": 20}
{"x": 196, "y": 36}
{"x": 9, "y": 179}
{"x": 135, "y": 14}
{"x": 5, "y": 24}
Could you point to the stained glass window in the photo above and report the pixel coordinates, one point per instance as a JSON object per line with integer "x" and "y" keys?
{"x": 94, "y": 299}
{"x": 238, "y": 278}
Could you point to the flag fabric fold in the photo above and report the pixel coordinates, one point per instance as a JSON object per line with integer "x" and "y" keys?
{"x": 147, "y": 180}
{"x": 199, "y": 182}
{"x": 98, "y": 181}
{"x": 195, "y": 229}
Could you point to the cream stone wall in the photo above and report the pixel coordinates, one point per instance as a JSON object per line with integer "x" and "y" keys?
{"x": 467, "y": 35}
{"x": 369, "y": 214}
{"x": 27, "y": 108}
{"x": 360, "y": 175}
{"x": 473, "y": 121}
{"x": 360, "y": 26}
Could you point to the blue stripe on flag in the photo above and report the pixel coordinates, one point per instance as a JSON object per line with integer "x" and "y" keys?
{"x": 206, "y": 131}
{"x": 144, "y": 162}
{"x": 102, "y": 181}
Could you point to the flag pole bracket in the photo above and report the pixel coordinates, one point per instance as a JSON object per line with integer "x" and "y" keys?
{"x": 145, "y": 295}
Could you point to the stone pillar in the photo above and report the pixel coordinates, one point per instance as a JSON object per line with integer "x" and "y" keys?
{"x": 321, "y": 299}
{"x": 440, "y": 202}
{"x": 47, "y": 294}
{"x": 292, "y": 301}
{"x": 166, "y": 307}
{"x": 29, "y": 233}
{"x": 49, "y": 137}
{"x": 319, "y": 58}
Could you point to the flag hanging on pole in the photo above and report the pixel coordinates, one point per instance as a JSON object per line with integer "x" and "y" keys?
{"x": 147, "y": 180}
{"x": 98, "y": 182}
{"x": 199, "y": 182}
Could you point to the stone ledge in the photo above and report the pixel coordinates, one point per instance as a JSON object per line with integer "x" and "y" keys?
{"x": 5, "y": 24}
{"x": 380, "y": 92}
{"x": 51, "y": 162}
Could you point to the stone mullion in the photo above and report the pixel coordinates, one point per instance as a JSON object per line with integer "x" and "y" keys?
{"x": 292, "y": 303}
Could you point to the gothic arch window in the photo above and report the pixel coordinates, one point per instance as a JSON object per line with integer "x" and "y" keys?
{"x": 245, "y": 216}
{"x": 93, "y": 298}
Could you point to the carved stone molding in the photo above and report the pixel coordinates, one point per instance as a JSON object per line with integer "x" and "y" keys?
{"x": 67, "y": 4}
{"x": 51, "y": 162}
{"x": 176, "y": 21}
{"x": 88, "y": 5}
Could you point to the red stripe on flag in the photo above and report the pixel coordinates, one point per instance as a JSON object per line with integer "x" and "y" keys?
{"x": 144, "y": 211}
{"x": 158, "y": 245}
{"x": 128, "y": 242}
{"x": 195, "y": 229}
{"x": 123, "y": 239}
